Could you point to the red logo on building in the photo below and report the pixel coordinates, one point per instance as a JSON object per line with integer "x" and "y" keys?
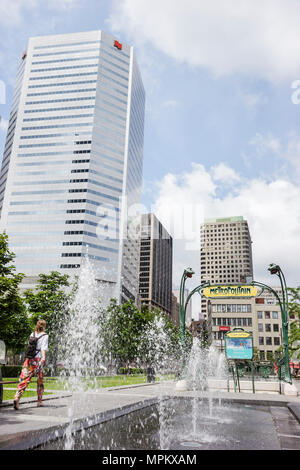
{"x": 118, "y": 45}
{"x": 224, "y": 328}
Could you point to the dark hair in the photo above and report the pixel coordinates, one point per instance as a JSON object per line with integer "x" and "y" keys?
{"x": 40, "y": 326}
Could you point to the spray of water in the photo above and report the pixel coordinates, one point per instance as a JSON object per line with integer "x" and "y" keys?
{"x": 81, "y": 342}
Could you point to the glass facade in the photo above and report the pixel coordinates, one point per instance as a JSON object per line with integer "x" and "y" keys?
{"x": 98, "y": 153}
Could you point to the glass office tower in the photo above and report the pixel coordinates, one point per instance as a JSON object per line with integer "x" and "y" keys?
{"x": 72, "y": 165}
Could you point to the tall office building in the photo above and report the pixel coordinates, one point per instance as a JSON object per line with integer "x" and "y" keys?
{"x": 188, "y": 312}
{"x": 155, "y": 278}
{"x": 72, "y": 163}
{"x": 226, "y": 253}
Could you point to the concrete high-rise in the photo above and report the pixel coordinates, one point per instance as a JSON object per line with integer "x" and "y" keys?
{"x": 155, "y": 278}
{"x": 226, "y": 252}
{"x": 73, "y": 159}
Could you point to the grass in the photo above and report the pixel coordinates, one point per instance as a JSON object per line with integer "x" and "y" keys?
{"x": 54, "y": 383}
{"x": 10, "y": 394}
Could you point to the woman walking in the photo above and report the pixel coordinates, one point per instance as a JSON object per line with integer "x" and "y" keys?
{"x": 34, "y": 363}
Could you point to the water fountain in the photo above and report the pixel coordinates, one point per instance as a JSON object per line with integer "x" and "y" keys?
{"x": 80, "y": 342}
{"x": 192, "y": 420}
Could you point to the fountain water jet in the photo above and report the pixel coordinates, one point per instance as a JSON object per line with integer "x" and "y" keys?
{"x": 81, "y": 342}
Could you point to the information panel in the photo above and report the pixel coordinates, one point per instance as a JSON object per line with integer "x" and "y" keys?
{"x": 239, "y": 345}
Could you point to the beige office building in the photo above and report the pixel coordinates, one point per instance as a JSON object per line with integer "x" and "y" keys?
{"x": 226, "y": 253}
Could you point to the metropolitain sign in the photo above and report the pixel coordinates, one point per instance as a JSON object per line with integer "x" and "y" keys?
{"x": 230, "y": 291}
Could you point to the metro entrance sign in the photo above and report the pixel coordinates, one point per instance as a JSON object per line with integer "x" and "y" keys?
{"x": 246, "y": 291}
{"x": 230, "y": 291}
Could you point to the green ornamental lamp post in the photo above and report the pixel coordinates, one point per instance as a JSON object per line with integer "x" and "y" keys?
{"x": 284, "y": 372}
{"x": 188, "y": 272}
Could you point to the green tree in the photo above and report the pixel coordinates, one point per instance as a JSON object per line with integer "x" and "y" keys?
{"x": 121, "y": 331}
{"x": 146, "y": 337}
{"x": 294, "y": 314}
{"x": 49, "y": 301}
{"x": 14, "y": 323}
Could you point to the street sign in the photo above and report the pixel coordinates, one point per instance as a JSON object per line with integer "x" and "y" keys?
{"x": 239, "y": 345}
{"x": 243, "y": 290}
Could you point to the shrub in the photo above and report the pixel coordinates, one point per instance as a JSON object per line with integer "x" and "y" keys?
{"x": 131, "y": 370}
{"x": 11, "y": 371}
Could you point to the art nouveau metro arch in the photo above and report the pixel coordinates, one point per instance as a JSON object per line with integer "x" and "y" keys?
{"x": 254, "y": 289}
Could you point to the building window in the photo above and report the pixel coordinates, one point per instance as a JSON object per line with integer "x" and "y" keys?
{"x": 275, "y": 327}
{"x": 269, "y": 340}
{"x": 275, "y": 315}
{"x": 259, "y": 314}
{"x": 269, "y": 355}
{"x": 260, "y": 327}
{"x": 277, "y": 341}
{"x": 267, "y": 315}
{"x": 268, "y": 327}
{"x": 261, "y": 340}
{"x": 262, "y": 355}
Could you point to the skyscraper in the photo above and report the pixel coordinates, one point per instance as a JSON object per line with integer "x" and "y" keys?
{"x": 226, "y": 252}
{"x": 72, "y": 164}
{"x": 155, "y": 278}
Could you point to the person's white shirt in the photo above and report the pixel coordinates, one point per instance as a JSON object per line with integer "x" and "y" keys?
{"x": 42, "y": 343}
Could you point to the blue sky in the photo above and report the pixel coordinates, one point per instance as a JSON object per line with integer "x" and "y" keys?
{"x": 221, "y": 129}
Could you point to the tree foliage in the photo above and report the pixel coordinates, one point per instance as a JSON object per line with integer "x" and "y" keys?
{"x": 49, "y": 301}
{"x": 138, "y": 336}
{"x": 14, "y": 323}
{"x": 294, "y": 314}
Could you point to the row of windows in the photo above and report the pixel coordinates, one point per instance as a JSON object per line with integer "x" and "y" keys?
{"x": 96, "y": 41}
{"x": 269, "y": 341}
{"x": 219, "y": 308}
{"x": 69, "y": 143}
{"x": 91, "y": 245}
{"x": 232, "y": 321}
{"x": 71, "y": 255}
{"x": 80, "y": 170}
{"x": 61, "y": 100}
{"x": 267, "y": 315}
{"x": 62, "y": 84}
{"x": 71, "y": 59}
{"x": 50, "y": 154}
{"x": 64, "y": 68}
{"x": 80, "y": 74}
{"x": 89, "y": 234}
{"x": 59, "y": 117}
{"x": 66, "y": 52}
{"x": 55, "y": 126}
{"x": 66, "y": 108}
{"x": 79, "y": 180}
{"x": 61, "y": 92}
{"x": 268, "y": 327}
{"x": 53, "y": 191}
{"x": 64, "y": 211}
{"x": 48, "y": 136}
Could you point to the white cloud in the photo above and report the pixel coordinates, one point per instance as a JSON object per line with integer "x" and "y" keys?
{"x": 265, "y": 143}
{"x": 258, "y": 38}
{"x": 3, "y": 124}
{"x": 224, "y": 174}
{"x": 271, "y": 209}
{"x": 11, "y": 12}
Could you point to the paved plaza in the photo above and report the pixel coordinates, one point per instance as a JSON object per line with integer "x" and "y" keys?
{"x": 31, "y": 426}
